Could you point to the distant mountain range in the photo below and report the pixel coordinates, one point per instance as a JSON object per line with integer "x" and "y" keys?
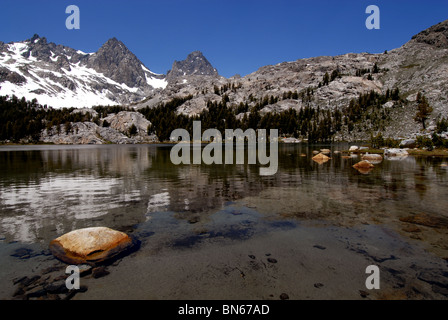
{"x": 64, "y": 77}
{"x": 60, "y": 76}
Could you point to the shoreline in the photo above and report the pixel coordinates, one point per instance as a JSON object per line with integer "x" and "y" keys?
{"x": 437, "y": 152}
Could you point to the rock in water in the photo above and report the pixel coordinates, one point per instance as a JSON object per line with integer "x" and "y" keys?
{"x": 91, "y": 245}
{"x": 364, "y": 164}
{"x": 321, "y": 158}
{"x": 395, "y": 152}
{"x": 373, "y": 158}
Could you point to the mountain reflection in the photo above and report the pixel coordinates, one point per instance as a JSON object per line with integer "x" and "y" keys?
{"x": 49, "y": 190}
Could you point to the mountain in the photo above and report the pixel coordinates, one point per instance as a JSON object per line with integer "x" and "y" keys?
{"x": 113, "y": 75}
{"x": 60, "y": 76}
{"x": 421, "y": 64}
{"x": 195, "y": 65}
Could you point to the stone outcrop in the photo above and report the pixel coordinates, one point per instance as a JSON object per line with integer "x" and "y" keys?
{"x": 117, "y": 131}
{"x": 436, "y": 35}
{"x": 408, "y": 143}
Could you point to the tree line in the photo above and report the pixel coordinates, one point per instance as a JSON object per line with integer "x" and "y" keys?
{"x": 22, "y": 119}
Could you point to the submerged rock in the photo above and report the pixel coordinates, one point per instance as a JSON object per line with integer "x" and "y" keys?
{"x": 321, "y": 158}
{"x": 91, "y": 245}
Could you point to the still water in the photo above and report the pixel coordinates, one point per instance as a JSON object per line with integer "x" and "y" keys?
{"x": 46, "y": 191}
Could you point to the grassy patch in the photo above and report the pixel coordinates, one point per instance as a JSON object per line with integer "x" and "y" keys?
{"x": 409, "y": 66}
{"x": 371, "y": 151}
{"x": 427, "y": 153}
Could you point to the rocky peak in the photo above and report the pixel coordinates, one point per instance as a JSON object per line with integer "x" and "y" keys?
{"x": 436, "y": 35}
{"x": 36, "y": 38}
{"x": 117, "y": 62}
{"x": 194, "y": 65}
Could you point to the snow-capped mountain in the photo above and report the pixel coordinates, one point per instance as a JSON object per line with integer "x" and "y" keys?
{"x": 60, "y": 76}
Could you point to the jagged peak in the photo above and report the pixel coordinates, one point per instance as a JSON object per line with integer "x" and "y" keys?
{"x": 195, "y": 64}
{"x": 36, "y": 38}
{"x": 114, "y": 43}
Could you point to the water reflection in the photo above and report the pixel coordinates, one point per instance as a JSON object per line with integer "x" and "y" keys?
{"x": 49, "y": 190}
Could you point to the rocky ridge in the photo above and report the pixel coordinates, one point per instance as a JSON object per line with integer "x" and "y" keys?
{"x": 419, "y": 65}
{"x": 60, "y": 76}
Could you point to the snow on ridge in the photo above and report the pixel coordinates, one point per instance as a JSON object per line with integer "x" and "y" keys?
{"x": 40, "y": 76}
{"x": 156, "y": 83}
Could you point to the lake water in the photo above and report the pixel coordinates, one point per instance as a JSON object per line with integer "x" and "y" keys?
{"x": 46, "y": 191}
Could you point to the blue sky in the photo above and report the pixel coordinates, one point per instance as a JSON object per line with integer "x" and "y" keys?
{"x": 236, "y": 36}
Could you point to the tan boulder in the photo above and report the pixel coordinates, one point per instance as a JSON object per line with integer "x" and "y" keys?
{"x": 364, "y": 164}
{"x": 320, "y": 158}
{"x": 90, "y": 245}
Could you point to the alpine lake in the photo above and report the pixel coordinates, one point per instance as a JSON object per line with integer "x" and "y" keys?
{"x": 224, "y": 231}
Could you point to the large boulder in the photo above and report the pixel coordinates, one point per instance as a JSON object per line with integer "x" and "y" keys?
{"x": 408, "y": 143}
{"x": 395, "y": 154}
{"x": 91, "y": 245}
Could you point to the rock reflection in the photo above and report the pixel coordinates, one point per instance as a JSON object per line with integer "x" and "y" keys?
{"x": 49, "y": 191}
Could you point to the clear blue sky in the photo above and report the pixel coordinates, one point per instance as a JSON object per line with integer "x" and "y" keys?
{"x": 236, "y": 36}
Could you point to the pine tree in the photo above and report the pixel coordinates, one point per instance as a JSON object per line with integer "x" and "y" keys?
{"x": 423, "y": 110}
{"x": 132, "y": 130}
{"x": 326, "y": 79}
